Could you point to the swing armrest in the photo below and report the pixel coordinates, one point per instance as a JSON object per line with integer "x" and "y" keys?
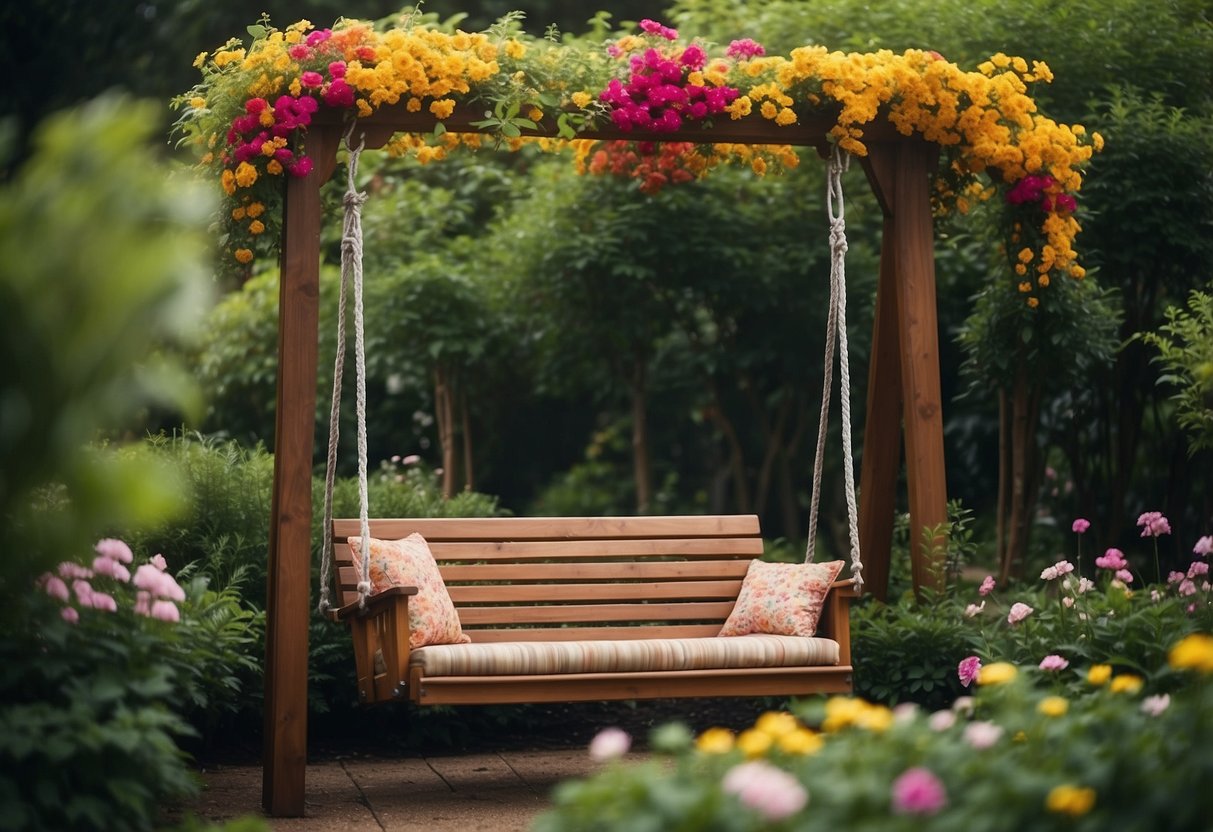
{"x": 375, "y": 604}
{"x": 835, "y": 621}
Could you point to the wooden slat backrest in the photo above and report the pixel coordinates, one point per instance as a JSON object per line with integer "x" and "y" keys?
{"x": 564, "y": 578}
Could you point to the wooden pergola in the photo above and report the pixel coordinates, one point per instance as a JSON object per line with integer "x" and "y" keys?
{"x": 903, "y": 388}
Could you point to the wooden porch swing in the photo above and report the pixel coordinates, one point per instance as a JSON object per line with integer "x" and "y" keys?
{"x": 903, "y": 387}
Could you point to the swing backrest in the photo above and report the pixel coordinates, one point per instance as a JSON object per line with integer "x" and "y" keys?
{"x": 566, "y": 578}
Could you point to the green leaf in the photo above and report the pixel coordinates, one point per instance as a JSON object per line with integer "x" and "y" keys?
{"x": 257, "y": 31}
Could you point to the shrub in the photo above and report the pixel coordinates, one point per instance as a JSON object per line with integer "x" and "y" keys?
{"x": 1013, "y": 757}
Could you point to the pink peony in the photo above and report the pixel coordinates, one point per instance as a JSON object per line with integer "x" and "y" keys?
{"x": 1112, "y": 559}
{"x": 159, "y": 562}
{"x": 918, "y": 792}
{"x": 1204, "y": 546}
{"x": 982, "y": 734}
{"x": 1153, "y": 524}
{"x": 968, "y": 669}
{"x": 1054, "y": 662}
{"x": 771, "y": 791}
{"x": 1019, "y": 611}
{"x": 987, "y": 586}
{"x": 111, "y": 568}
{"x": 610, "y": 743}
{"x": 115, "y": 549}
{"x": 1080, "y": 525}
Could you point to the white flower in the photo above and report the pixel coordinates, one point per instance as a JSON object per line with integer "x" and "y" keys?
{"x": 982, "y": 734}
{"x": 609, "y": 744}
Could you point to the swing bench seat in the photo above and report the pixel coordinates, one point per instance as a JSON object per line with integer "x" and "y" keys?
{"x": 575, "y": 609}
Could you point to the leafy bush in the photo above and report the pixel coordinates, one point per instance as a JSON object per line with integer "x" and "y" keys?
{"x": 1185, "y": 352}
{"x": 1013, "y": 757}
{"x": 98, "y": 686}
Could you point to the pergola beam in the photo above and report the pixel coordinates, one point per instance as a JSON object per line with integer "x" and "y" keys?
{"x": 905, "y": 368}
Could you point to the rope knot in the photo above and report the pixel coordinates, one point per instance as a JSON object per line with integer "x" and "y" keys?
{"x": 838, "y": 236}
{"x": 355, "y": 199}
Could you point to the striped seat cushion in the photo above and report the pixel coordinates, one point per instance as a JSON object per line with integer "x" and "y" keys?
{"x": 637, "y": 655}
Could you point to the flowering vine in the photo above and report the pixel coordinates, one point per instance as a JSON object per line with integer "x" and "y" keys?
{"x": 249, "y": 115}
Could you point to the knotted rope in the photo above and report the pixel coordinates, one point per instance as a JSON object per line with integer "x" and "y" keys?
{"x": 351, "y": 277}
{"x": 836, "y": 331}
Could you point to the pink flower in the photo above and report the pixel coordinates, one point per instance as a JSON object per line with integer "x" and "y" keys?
{"x": 110, "y": 568}
{"x": 1203, "y": 546}
{"x": 1085, "y": 585}
{"x": 1112, "y": 559}
{"x": 918, "y": 792}
{"x": 115, "y": 549}
{"x": 158, "y": 584}
{"x": 143, "y": 602}
{"x": 1062, "y": 567}
{"x": 1080, "y": 525}
{"x": 301, "y": 168}
{"x": 610, "y": 743}
{"x": 311, "y": 79}
{"x": 968, "y": 669}
{"x": 941, "y": 720}
{"x": 693, "y": 57}
{"x": 69, "y": 615}
{"x": 68, "y": 570}
{"x": 652, "y": 27}
{"x": 987, "y": 586}
{"x": 83, "y": 590}
{"x": 771, "y": 791}
{"x": 982, "y": 734}
{"x": 1019, "y": 611}
{"x": 1187, "y": 587}
{"x": 299, "y": 51}
{"x": 744, "y": 49}
{"x": 159, "y": 562}
{"x": 1067, "y": 602}
{"x": 1197, "y": 568}
{"x": 973, "y": 610}
{"x": 1153, "y": 524}
{"x": 54, "y": 586}
{"x": 1124, "y": 576}
{"x": 1156, "y": 704}
{"x": 1175, "y": 577}
{"x": 103, "y": 601}
{"x": 165, "y": 611}
{"x": 411, "y": 459}
{"x": 1054, "y": 662}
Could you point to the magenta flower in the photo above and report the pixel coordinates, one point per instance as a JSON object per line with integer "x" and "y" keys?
{"x": 1019, "y": 611}
{"x": 311, "y": 79}
{"x": 987, "y": 586}
{"x": 772, "y": 792}
{"x": 744, "y": 49}
{"x": 610, "y": 743}
{"x": 652, "y": 27}
{"x": 968, "y": 669}
{"x": 1203, "y": 546}
{"x": 1080, "y": 525}
{"x": 918, "y": 792}
{"x": 1153, "y": 524}
{"x": 1112, "y": 559}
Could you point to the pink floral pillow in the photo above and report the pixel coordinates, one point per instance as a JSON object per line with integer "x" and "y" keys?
{"x": 781, "y": 598}
{"x": 409, "y": 562}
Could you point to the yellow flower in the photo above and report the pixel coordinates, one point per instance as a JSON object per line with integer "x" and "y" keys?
{"x": 255, "y": 209}
{"x": 1067, "y": 799}
{"x": 256, "y": 227}
{"x": 759, "y": 165}
{"x": 997, "y": 673}
{"x": 1021, "y": 269}
{"x": 801, "y": 741}
{"x": 768, "y": 109}
{"x": 1033, "y": 302}
{"x": 754, "y": 743}
{"x": 243, "y": 255}
{"x": 715, "y": 741}
{"x": 1097, "y": 141}
{"x": 535, "y": 114}
{"x": 582, "y": 99}
{"x": 1099, "y": 674}
{"x": 1053, "y": 706}
{"x": 776, "y": 723}
{"x": 1026, "y": 255}
{"x": 228, "y": 180}
{"x": 786, "y": 116}
{"x": 514, "y": 49}
{"x": 198, "y": 102}
{"x": 246, "y": 175}
{"x": 200, "y": 60}
{"x": 442, "y": 108}
{"x": 238, "y": 213}
{"x": 1194, "y": 652}
{"x": 1127, "y": 683}
{"x": 273, "y": 167}
{"x": 1025, "y": 286}
{"x": 1043, "y": 280}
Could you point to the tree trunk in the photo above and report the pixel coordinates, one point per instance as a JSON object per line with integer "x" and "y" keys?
{"x": 641, "y": 466}
{"x": 1023, "y": 481}
{"x": 469, "y": 481}
{"x": 444, "y": 416}
{"x": 741, "y": 485}
{"x": 1004, "y": 476}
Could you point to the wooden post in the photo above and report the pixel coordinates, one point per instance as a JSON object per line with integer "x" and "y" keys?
{"x": 290, "y": 547}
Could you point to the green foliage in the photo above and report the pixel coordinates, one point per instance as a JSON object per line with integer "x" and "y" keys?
{"x": 94, "y": 711}
{"x": 90, "y": 298}
{"x": 999, "y": 763}
{"x": 1185, "y": 352}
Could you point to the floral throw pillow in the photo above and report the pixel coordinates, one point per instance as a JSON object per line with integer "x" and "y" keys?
{"x": 409, "y": 562}
{"x": 781, "y": 598}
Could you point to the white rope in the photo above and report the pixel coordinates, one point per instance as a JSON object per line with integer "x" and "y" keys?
{"x": 836, "y": 330}
{"x": 351, "y": 274}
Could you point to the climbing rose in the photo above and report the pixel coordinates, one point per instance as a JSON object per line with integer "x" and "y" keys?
{"x": 968, "y": 670}
{"x": 918, "y": 792}
{"x": 771, "y": 791}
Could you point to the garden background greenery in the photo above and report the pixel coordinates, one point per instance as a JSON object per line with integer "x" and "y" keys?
{"x": 544, "y": 297}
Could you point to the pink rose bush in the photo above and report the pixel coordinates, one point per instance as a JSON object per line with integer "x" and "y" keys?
{"x": 157, "y": 592}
